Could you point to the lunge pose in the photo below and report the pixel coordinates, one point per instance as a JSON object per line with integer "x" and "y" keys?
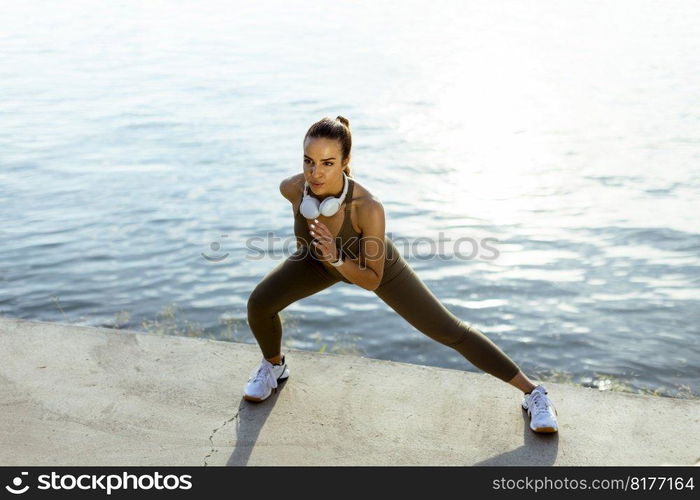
{"x": 339, "y": 228}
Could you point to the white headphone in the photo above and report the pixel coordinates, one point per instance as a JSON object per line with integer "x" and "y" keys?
{"x": 311, "y": 208}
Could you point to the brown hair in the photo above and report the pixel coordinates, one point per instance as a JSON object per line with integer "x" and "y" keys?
{"x": 338, "y": 129}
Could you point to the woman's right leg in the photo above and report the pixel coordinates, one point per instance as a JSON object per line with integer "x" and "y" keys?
{"x": 293, "y": 279}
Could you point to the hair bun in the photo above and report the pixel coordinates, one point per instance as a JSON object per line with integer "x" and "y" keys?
{"x": 343, "y": 120}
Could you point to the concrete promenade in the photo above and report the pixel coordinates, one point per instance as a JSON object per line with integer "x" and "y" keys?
{"x": 75, "y": 395}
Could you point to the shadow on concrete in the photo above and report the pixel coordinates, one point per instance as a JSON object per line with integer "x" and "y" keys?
{"x": 538, "y": 449}
{"x": 251, "y": 419}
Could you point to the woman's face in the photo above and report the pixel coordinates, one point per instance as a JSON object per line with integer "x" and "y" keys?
{"x": 323, "y": 168}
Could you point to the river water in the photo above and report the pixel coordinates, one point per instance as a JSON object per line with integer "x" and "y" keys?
{"x": 142, "y": 145}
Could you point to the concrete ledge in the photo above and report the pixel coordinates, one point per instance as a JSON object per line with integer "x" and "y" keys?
{"x": 75, "y": 395}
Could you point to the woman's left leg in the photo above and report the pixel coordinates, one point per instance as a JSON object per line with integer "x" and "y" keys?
{"x": 414, "y": 301}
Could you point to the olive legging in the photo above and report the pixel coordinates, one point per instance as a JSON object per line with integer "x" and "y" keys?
{"x": 298, "y": 277}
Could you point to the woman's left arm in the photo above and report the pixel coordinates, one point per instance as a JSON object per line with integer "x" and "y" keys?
{"x": 366, "y": 269}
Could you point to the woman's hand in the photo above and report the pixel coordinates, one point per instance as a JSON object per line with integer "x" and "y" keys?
{"x": 323, "y": 241}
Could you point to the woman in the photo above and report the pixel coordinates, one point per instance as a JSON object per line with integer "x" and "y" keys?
{"x": 339, "y": 228}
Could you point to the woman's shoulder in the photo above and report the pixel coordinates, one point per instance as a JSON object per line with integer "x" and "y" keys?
{"x": 362, "y": 196}
{"x": 367, "y": 205}
{"x": 291, "y": 187}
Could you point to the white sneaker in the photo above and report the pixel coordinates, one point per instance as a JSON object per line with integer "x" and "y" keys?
{"x": 264, "y": 379}
{"x": 543, "y": 414}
